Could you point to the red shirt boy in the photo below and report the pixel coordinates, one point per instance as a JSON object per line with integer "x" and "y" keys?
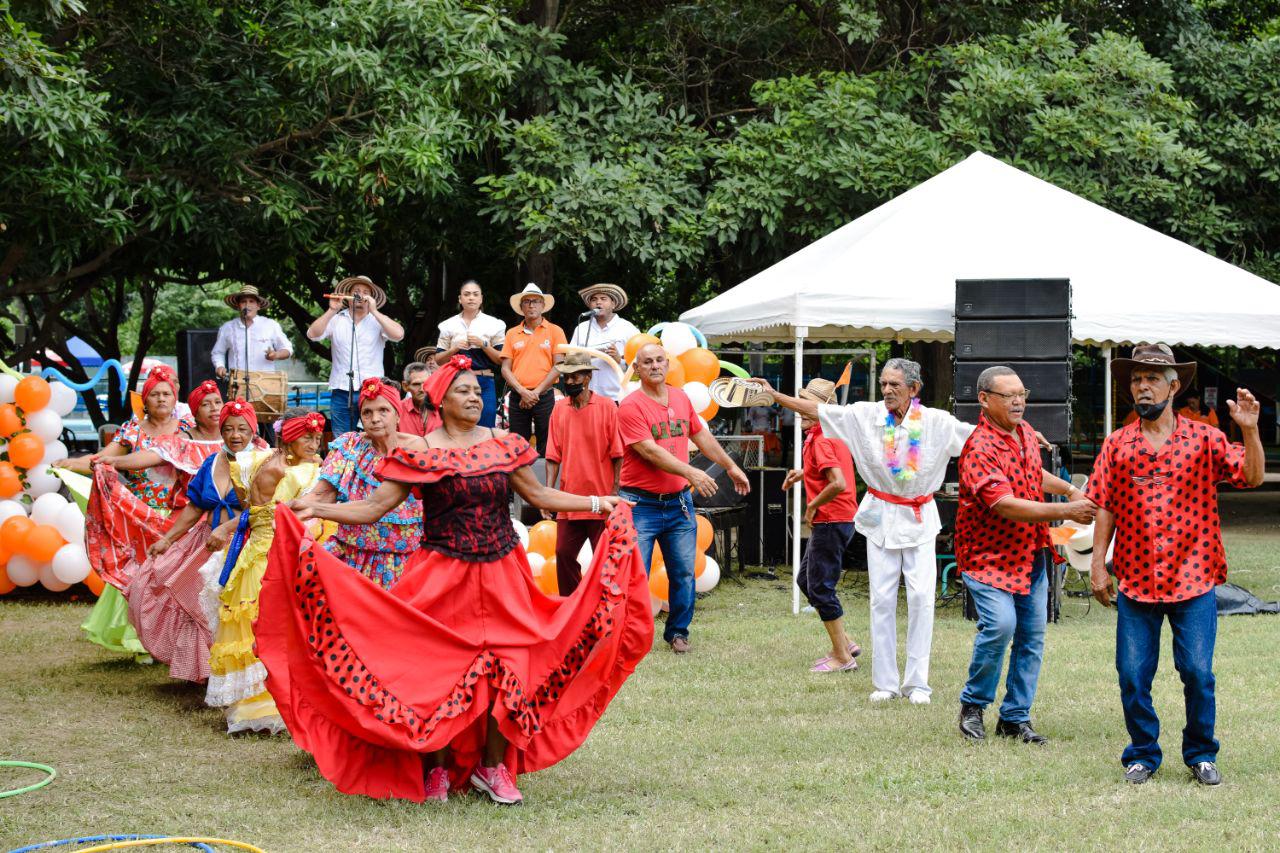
{"x": 819, "y": 455}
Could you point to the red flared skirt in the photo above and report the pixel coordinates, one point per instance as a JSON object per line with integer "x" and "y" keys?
{"x": 368, "y": 680}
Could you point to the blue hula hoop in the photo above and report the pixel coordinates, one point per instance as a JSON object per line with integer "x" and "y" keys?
{"x": 89, "y": 839}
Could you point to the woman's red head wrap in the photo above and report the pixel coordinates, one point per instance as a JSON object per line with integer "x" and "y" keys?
{"x": 241, "y": 409}
{"x": 204, "y": 389}
{"x": 295, "y": 428}
{"x": 374, "y": 388}
{"x": 159, "y": 373}
{"x": 438, "y": 385}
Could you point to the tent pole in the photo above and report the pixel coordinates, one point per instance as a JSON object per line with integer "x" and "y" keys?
{"x": 873, "y": 379}
{"x": 1106, "y": 391}
{"x": 797, "y": 497}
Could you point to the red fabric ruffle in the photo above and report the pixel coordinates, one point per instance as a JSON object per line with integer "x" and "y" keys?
{"x": 494, "y": 455}
{"x": 369, "y": 680}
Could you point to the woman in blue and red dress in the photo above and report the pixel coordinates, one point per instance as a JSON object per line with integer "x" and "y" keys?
{"x": 463, "y": 673}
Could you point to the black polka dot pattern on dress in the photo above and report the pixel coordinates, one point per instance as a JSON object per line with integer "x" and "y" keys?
{"x": 1168, "y": 540}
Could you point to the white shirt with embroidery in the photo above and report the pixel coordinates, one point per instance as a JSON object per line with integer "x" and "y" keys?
{"x": 591, "y": 334}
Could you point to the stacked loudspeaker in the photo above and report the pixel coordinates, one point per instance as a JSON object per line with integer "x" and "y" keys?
{"x": 1024, "y": 324}
{"x": 195, "y": 357}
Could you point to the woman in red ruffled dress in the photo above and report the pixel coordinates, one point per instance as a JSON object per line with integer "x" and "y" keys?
{"x": 463, "y": 673}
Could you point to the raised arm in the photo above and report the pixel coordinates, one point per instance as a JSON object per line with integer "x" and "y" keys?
{"x": 393, "y": 330}
{"x": 805, "y": 408}
{"x": 384, "y": 499}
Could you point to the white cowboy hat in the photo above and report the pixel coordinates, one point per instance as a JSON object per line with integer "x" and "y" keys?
{"x": 531, "y": 289}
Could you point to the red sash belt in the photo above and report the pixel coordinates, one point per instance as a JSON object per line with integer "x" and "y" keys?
{"x": 915, "y": 503}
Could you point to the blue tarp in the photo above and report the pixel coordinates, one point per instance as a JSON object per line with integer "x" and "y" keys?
{"x": 85, "y": 354}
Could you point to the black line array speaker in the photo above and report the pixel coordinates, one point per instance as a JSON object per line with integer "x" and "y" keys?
{"x": 1024, "y": 324}
{"x": 726, "y": 495}
{"x": 195, "y": 357}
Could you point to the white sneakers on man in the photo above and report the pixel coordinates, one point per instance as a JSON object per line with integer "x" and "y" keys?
{"x": 919, "y": 697}
{"x": 883, "y": 696}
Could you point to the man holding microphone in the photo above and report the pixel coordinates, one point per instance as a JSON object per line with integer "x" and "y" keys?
{"x": 259, "y": 338}
{"x": 602, "y": 329}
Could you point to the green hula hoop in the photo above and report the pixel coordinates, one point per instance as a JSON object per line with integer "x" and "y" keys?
{"x": 45, "y": 768}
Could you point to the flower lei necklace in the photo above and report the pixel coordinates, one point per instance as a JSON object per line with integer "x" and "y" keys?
{"x": 914, "y": 424}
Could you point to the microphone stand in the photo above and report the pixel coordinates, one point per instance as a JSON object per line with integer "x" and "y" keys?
{"x": 351, "y": 363}
{"x": 244, "y": 315}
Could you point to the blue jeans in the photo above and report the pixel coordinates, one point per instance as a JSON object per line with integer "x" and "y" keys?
{"x": 672, "y": 524}
{"x": 343, "y": 416}
{"x": 1004, "y": 617}
{"x": 1194, "y": 624}
{"x": 489, "y": 415}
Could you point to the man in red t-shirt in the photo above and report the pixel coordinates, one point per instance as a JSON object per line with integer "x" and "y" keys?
{"x": 1002, "y": 551}
{"x": 413, "y": 417}
{"x": 832, "y": 502}
{"x": 656, "y": 423}
{"x": 584, "y": 451}
{"x": 1156, "y": 486}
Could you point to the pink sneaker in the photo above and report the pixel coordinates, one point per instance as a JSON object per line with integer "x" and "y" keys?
{"x": 437, "y": 785}
{"x": 498, "y": 784}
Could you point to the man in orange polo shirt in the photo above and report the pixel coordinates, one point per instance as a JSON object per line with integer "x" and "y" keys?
{"x": 529, "y": 358}
{"x": 584, "y": 450}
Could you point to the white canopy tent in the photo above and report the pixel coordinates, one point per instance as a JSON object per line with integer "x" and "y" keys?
{"x": 890, "y": 274}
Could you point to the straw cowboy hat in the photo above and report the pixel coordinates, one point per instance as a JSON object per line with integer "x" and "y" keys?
{"x": 1157, "y": 356}
{"x": 345, "y": 287}
{"x": 531, "y": 289}
{"x": 575, "y": 362}
{"x": 616, "y": 293}
{"x": 819, "y": 390}
{"x": 233, "y": 299}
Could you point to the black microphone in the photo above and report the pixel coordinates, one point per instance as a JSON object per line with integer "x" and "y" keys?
{"x": 244, "y": 312}
{"x": 594, "y": 312}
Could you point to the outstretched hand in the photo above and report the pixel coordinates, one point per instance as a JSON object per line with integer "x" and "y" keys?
{"x": 1244, "y": 409}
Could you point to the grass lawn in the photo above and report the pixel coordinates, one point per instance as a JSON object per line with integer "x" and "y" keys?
{"x": 733, "y": 746}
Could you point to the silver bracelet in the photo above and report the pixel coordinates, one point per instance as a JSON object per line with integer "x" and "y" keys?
{"x": 595, "y": 504}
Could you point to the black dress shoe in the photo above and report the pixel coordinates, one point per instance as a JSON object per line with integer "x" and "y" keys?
{"x": 1023, "y": 731}
{"x": 1206, "y": 773}
{"x": 971, "y": 722}
{"x": 1136, "y": 774}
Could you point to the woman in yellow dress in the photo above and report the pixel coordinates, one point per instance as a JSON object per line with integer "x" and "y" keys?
{"x": 237, "y": 681}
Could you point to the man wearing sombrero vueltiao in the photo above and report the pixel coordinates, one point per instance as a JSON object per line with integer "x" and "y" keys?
{"x": 607, "y": 332}
{"x": 1155, "y": 482}
{"x": 266, "y": 341}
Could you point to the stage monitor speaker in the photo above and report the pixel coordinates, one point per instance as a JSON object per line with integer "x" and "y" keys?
{"x": 1022, "y": 298}
{"x": 1053, "y": 420}
{"x": 195, "y": 357}
{"x": 1048, "y": 381}
{"x": 768, "y": 545}
{"x": 1022, "y": 340}
{"x": 726, "y": 495}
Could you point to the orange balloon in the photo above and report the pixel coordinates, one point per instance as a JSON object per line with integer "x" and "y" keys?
{"x": 548, "y": 581}
{"x": 675, "y": 373}
{"x": 706, "y": 533}
{"x": 659, "y": 585}
{"x": 10, "y": 423}
{"x": 10, "y": 485}
{"x": 32, "y": 394}
{"x": 542, "y": 539}
{"x": 710, "y": 411}
{"x": 658, "y": 561}
{"x": 95, "y": 583}
{"x": 635, "y": 342}
{"x": 43, "y": 542}
{"x": 700, "y": 365}
{"x": 13, "y": 533}
{"x": 4, "y": 557}
{"x": 6, "y": 585}
{"x": 26, "y": 450}
{"x": 699, "y": 565}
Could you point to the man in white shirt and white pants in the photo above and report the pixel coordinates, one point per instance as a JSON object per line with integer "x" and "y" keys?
{"x": 261, "y": 336}
{"x": 353, "y": 363}
{"x": 897, "y": 515}
{"x": 607, "y": 332}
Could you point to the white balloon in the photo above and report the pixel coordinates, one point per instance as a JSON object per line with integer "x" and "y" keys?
{"x": 521, "y": 531}
{"x": 53, "y": 452}
{"x": 70, "y": 524}
{"x": 40, "y": 481}
{"x": 61, "y": 399}
{"x": 49, "y": 580}
{"x": 7, "y": 386}
{"x": 704, "y": 423}
{"x": 8, "y": 509}
{"x": 46, "y": 508}
{"x": 46, "y": 424}
{"x": 632, "y": 386}
{"x": 678, "y": 338}
{"x": 710, "y": 577}
{"x": 536, "y": 562}
{"x": 699, "y": 395}
{"x": 23, "y": 570}
{"x": 70, "y": 564}
{"x": 584, "y": 556}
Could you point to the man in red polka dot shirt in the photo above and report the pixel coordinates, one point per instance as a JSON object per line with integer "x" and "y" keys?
{"x": 1002, "y": 547}
{"x": 1155, "y": 483}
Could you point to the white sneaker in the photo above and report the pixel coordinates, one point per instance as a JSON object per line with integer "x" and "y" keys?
{"x": 882, "y": 696}
{"x": 919, "y": 697}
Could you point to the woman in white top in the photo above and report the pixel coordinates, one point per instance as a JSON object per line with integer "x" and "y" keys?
{"x": 478, "y": 336}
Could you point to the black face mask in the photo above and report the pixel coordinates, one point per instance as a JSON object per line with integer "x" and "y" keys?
{"x": 572, "y": 390}
{"x": 1151, "y": 411}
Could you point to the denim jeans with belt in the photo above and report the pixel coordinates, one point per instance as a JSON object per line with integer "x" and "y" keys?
{"x": 1004, "y": 617}
{"x": 1194, "y": 624}
{"x": 672, "y": 524}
